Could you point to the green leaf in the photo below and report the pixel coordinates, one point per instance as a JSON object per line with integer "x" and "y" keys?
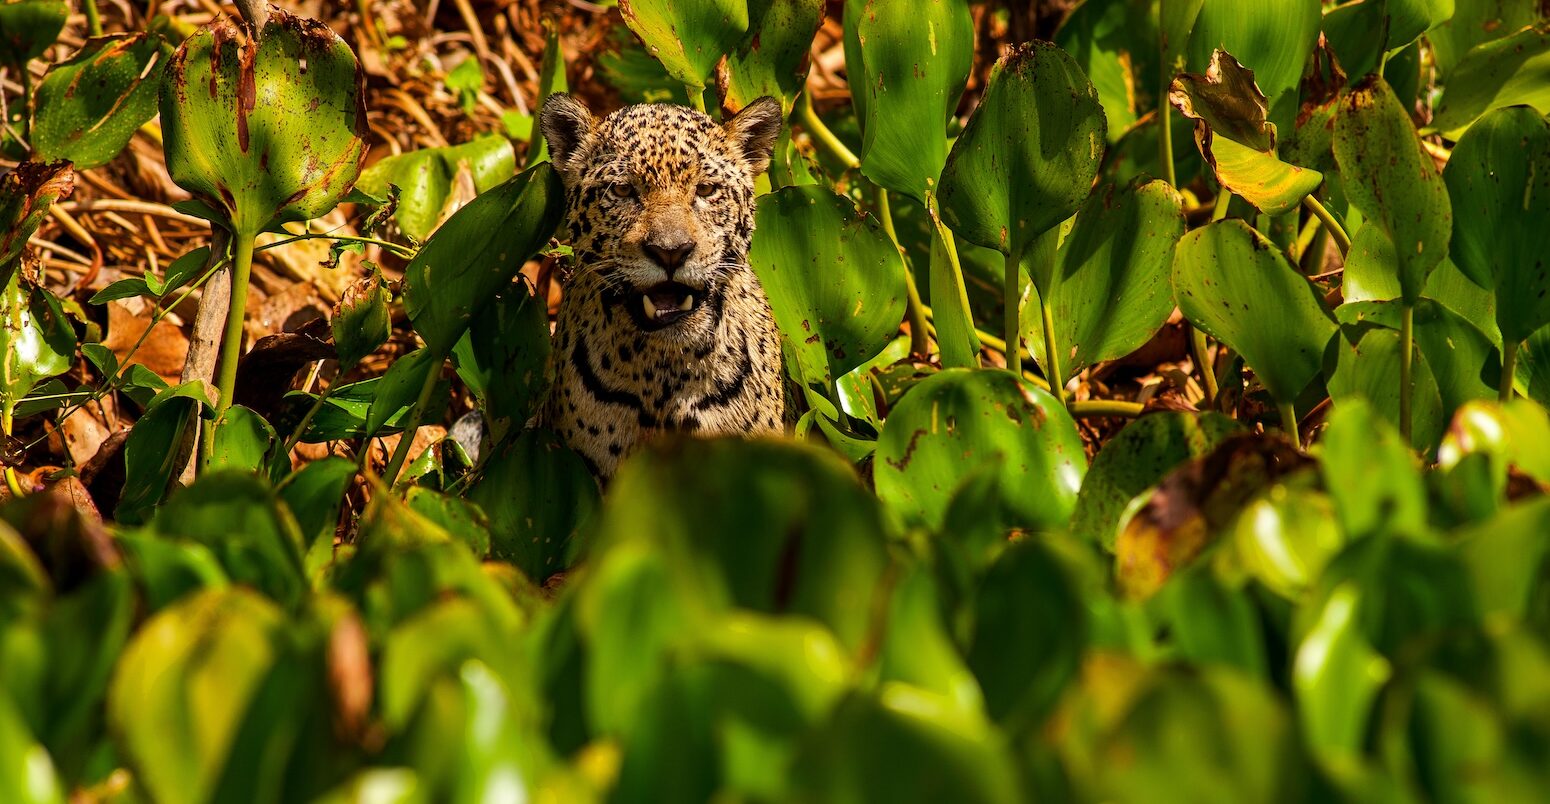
{"x": 229, "y": 112}
{"x": 536, "y": 493}
{"x": 1368, "y": 368}
{"x": 688, "y": 38}
{"x": 1135, "y": 459}
{"x": 36, "y": 341}
{"x": 755, "y": 686}
{"x": 909, "y": 60}
{"x": 1114, "y": 43}
{"x": 1499, "y": 181}
{"x": 462, "y": 519}
{"x": 1285, "y": 537}
{"x": 1371, "y": 474}
{"x": 502, "y": 358}
{"x": 150, "y": 454}
{"x": 245, "y": 441}
{"x": 27, "y": 774}
{"x": 1235, "y": 284}
{"x": 1506, "y": 559}
{"x": 775, "y": 526}
{"x": 1393, "y": 181}
{"x": 551, "y": 80}
{"x": 344, "y": 412}
{"x": 89, "y": 105}
{"x": 956, "y": 421}
{"x": 130, "y": 288}
{"x": 400, "y": 387}
{"x": 833, "y": 277}
{"x": 1028, "y": 635}
{"x": 314, "y": 494}
{"x": 184, "y": 684}
{"x": 27, "y": 28}
{"x": 1274, "y": 41}
{"x": 361, "y": 321}
{"x": 238, "y": 517}
{"x": 424, "y": 183}
{"x": 1180, "y": 735}
{"x": 1462, "y": 360}
{"x": 1235, "y": 137}
{"x": 903, "y": 745}
{"x": 919, "y": 649}
{"x": 477, "y": 252}
{"x": 1210, "y": 621}
{"x": 1111, "y": 289}
{"x": 1027, "y": 157}
{"x": 773, "y": 58}
{"x": 1336, "y": 676}
{"x": 26, "y": 193}
{"x": 1475, "y": 22}
{"x": 1506, "y": 72}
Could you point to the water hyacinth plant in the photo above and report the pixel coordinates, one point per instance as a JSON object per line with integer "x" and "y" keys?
{"x": 1167, "y": 393}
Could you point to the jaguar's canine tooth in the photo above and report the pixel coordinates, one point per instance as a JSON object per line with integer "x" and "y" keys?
{"x": 651, "y": 309}
{"x": 688, "y": 303}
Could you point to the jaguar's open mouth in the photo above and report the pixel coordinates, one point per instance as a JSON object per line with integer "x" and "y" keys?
{"x": 663, "y": 304}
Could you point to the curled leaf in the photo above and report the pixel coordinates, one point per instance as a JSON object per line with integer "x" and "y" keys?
{"x": 1237, "y": 139}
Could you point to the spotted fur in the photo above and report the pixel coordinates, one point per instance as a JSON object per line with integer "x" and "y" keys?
{"x": 659, "y": 193}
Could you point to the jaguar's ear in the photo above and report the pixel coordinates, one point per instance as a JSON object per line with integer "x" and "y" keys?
{"x": 565, "y": 122}
{"x": 753, "y": 132}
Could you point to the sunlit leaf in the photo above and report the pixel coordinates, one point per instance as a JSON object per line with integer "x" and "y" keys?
{"x": 1236, "y": 285}
{"x": 833, "y": 277}
{"x": 230, "y": 104}
{"x": 1393, "y": 181}
{"x": 1111, "y": 288}
{"x": 908, "y": 60}
{"x": 688, "y": 38}
{"x": 89, "y": 105}
{"x": 958, "y": 420}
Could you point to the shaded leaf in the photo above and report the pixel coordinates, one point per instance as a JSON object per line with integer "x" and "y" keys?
{"x": 1499, "y": 183}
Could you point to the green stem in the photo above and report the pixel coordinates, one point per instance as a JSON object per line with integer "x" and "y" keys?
{"x": 26, "y": 82}
{"x": 1203, "y": 362}
{"x": 1223, "y": 201}
{"x": 696, "y": 97}
{"x": 1012, "y": 298}
{"x": 1289, "y": 422}
{"x": 110, "y": 384}
{"x": 406, "y": 438}
{"x": 1406, "y": 346}
{"x": 915, "y": 309}
{"x": 93, "y": 19}
{"x": 1090, "y": 408}
{"x": 1509, "y": 367}
{"x": 1164, "y": 112}
{"x": 1336, "y": 231}
{"x": 1052, "y": 372}
{"x": 236, "y": 317}
{"x": 821, "y": 134}
{"x": 402, "y": 251}
{"x": 301, "y": 429}
{"x": 995, "y": 343}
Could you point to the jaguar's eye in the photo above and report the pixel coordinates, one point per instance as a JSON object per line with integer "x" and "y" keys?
{"x": 706, "y": 189}
{"x": 622, "y": 189}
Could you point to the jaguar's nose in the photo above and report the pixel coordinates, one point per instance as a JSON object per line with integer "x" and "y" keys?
{"x": 670, "y": 256}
